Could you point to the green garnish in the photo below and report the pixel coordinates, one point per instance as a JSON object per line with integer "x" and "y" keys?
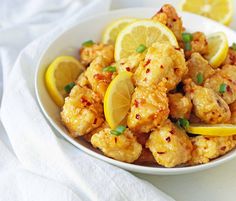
{"x": 233, "y": 46}
{"x": 118, "y": 131}
{"x": 187, "y": 37}
{"x": 109, "y": 69}
{"x": 199, "y": 78}
{"x": 69, "y": 86}
{"x": 187, "y": 46}
{"x": 87, "y": 43}
{"x": 141, "y": 48}
{"x": 222, "y": 88}
{"x": 182, "y": 122}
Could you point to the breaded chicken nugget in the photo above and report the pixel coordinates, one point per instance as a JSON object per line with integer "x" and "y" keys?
{"x": 82, "y": 111}
{"x": 170, "y": 145}
{"x": 207, "y": 105}
{"x": 123, "y": 147}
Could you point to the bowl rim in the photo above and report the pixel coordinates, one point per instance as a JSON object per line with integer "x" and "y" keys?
{"x": 124, "y": 165}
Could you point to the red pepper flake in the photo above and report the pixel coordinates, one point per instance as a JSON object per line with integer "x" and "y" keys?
{"x": 137, "y": 116}
{"x": 148, "y": 70}
{"x": 223, "y": 148}
{"x": 161, "y": 66}
{"x": 160, "y": 152}
{"x": 174, "y": 20}
{"x": 147, "y": 62}
{"x": 95, "y": 121}
{"x": 136, "y": 103}
{"x": 228, "y": 89}
{"x": 168, "y": 139}
{"x": 85, "y": 101}
{"x": 177, "y": 48}
{"x": 115, "y": 140}
{"x": 127, "y": 69}
{"x": 172, "y": 132}
{"x": 99, "y": 77}
{"x": 207, "y": 138}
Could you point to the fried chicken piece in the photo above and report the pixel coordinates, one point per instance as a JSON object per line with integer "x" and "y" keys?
{"x": 231, "y": 57}
{"x": 206, "y": 148}
{"x": 170, "y": 145}
{"x": 197, "y": 65}
{"x": 149, "y": 108}
{"x": 233, "y": 113}
{"x": 123, "y": 147}
{"x": 180, "y": 106}
{"x": 131, "y": 63}
{"x": 161, "y": 61}
{"x": 82, "y": 111}
{"x": 97, "y": 78}
{"x": 226, "y": 75}
{"x": 168, "y": 16}
{"x": 88, "y": 54}
{"x": 207, "y": 105}
{"x": 198, "y": 44}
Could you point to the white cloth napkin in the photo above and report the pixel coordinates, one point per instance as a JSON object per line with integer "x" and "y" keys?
{"x": 43, "y": 166}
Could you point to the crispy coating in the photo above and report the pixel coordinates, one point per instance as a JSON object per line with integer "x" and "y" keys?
{"x": 231, "y": 57}
{"x": 233, "y": 113}
{"x": 198, "y": 44}
{"x": 123, "y": 147}
{"x": 206, "y": 148}
{"x": 97, "y": 78}
{"x": 170, "y": 145}
{"x": 207, "y": 105}
{"x": 197, "y": 64}
{"x": 149, "y": 108}
{"x": 180, "y": 106}
{"x": 131, "y": 63}
{"x": 168, "y": 16}
{"x": 161, "y": 61}
{"x": 88, "y": 54}
{"x": 82, "y": 111}
{"x": 226, "y": 75}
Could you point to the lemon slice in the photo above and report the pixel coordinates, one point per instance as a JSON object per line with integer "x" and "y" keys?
{"x": 117, "y": 99}
{"x": 219, "y": 10}
{"x": 62, "y": 71}
{"x": 113, "y": 29}
{"x": 217, "y": 48}
{"x": 212, "y": 130}
{"x": 141, "y": 32}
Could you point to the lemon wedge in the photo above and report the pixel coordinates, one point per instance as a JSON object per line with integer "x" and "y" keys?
{"x": 141, "y": 32}
{"x": 212, "y": 130}
{"x": 219, "y": 10}
{"x": 117, "y": 99}
{"x": 217, "y": 49}
{"x": 61, "y": 72}
{"x": 112, "y": 30}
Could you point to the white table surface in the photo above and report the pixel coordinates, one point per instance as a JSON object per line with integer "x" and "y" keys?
{"x": 216, "y": 184}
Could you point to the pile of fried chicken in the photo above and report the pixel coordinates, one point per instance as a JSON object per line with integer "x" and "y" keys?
{"x": 167, "y": 88}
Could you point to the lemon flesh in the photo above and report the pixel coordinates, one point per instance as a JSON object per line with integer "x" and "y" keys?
{"x": 62, "y": 71}
{"x": 112, "y": 30}
{"x": 219, "y": 10}
{"x": 217, "y": 49}
{"x": 212, "y": 130}
{"x": 117, "y": 99}
{"x": 141, "y": 32}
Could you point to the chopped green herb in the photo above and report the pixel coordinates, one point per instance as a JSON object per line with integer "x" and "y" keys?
{"x": 199, "y": 78}
{"x": 69, "y": 86}
{"x": 87, "y": 43}
{"x": 187, "y": 46}
{"x": 222, "y": 88}
{"x": 118, "y": 131}
{"x": 233, "y": 46}
{"x": 141, "y": 48}
{"x": 187, "y": 37}
{"x": 182, "y": 122}
{"x": 109, "y": 69}
{"x": 114, "y": 132}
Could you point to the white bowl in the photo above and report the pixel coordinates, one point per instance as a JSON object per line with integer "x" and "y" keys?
{"x": 69, "y": 42}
